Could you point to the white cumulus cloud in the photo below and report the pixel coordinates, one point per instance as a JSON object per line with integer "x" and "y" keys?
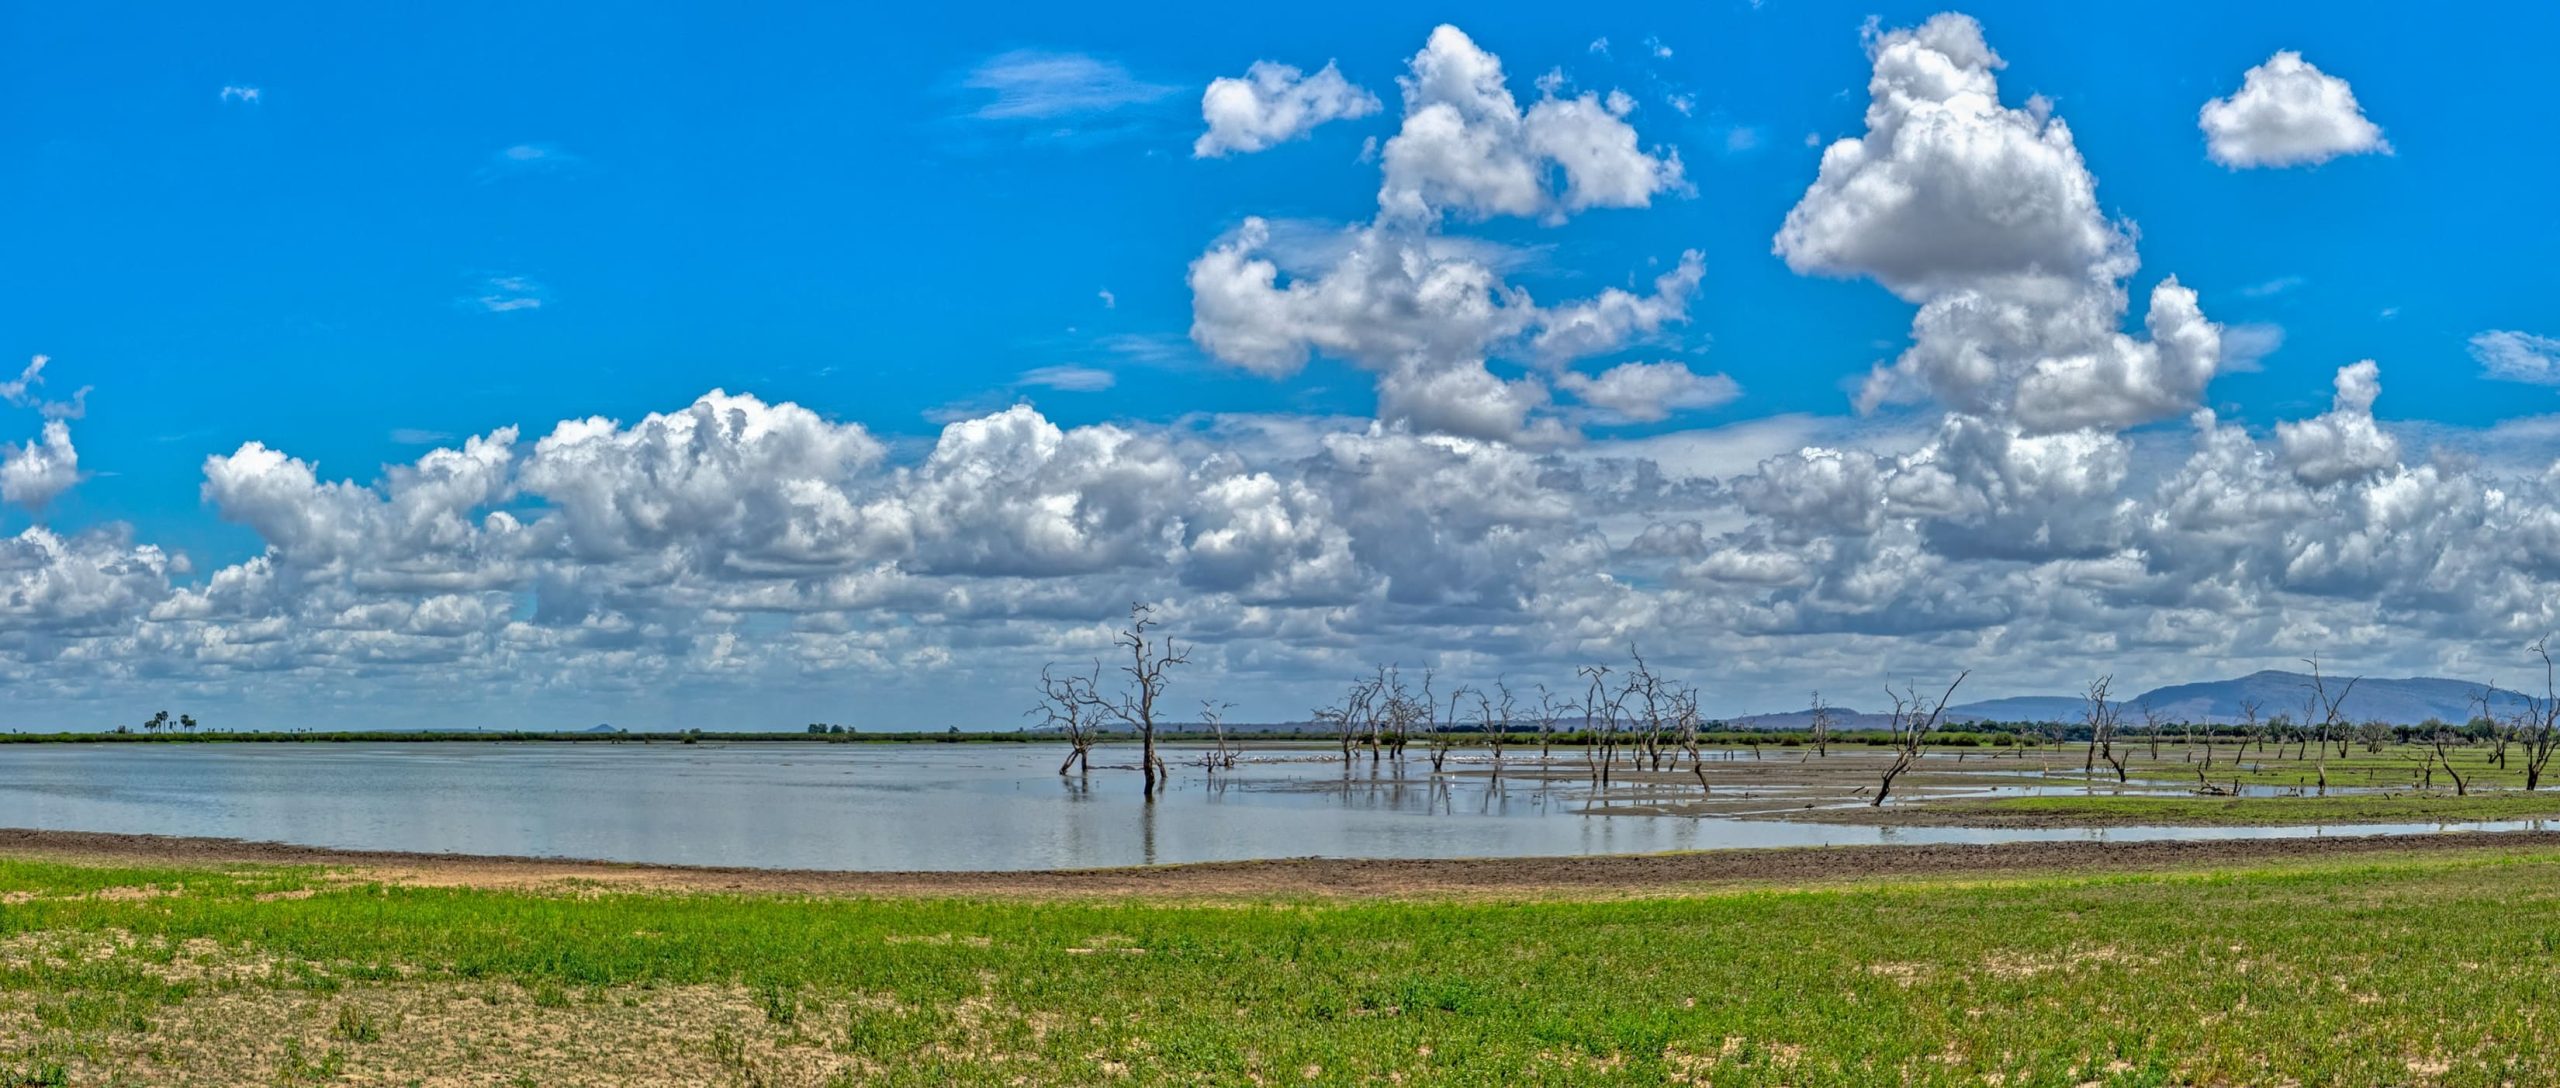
{"x": 1466, "y": 146}
{"x": 1986, "y": 216}
{"x": 2343, "y": 443}
{"x": 2287, "y": 113}
{"x": 1274, "y": 104}
{"x": 32, "y": 475}
{"x": 1650, "y": 392}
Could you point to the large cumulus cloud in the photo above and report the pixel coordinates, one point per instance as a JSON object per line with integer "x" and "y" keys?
{"x": 1429, "y": 313}
{"x": 1986, "y": 215}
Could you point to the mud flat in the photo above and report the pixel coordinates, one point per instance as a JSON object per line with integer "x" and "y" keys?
{"x": 1622, "y": 874}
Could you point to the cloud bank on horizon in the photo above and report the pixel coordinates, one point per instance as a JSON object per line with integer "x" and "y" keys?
{"x": 2036, "y": 480}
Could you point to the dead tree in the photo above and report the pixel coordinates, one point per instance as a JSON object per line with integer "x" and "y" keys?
{"x": 1334, "y": 719}
{"x": 1068, "y": 705}
{"x": 1150, "y": 668}
{"x": 2331, "y": 721}
{"x": 1646, "y": 696}
{"x": 1214, "y": 715}
{"x": 1821, "y": 726}
{"x": 2151, "y": 728}
{"x": 1496, "y": 719}
{"x": 1910, "y": 731}
{"x": 2441, "y": 741}
{"x": 1599, "y": 723}
{"x": 1442, "y": 730}
{"x": 1403, "y": 711}
{"x": 1550, "y": 711}
{"x": 2538, "y": 723}
{"x": 1684, "y": 706}
{"x": 2248, "y": 728}
{"x": 1350, "y": 719}
{"x": 1389, "y": 686}
{"x": 2500, "y": 733}
{"x": 2103, "y": 717}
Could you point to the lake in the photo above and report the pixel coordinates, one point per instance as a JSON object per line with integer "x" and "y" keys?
{"x": 862, "y": 806}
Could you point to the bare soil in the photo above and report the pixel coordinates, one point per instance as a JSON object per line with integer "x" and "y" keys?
{"x": 1606, "y": 874}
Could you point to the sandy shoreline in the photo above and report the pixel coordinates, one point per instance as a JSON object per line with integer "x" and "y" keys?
{"x": 1629, "y": 874}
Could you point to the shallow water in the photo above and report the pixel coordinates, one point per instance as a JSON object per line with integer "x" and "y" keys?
{"x": 871, "y": 806}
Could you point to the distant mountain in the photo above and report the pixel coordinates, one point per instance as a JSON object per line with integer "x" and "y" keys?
{"x": 1841, "y": 718}
{"x": 2021, "y": 708}
{"x": 2400, "y": 702}
{"x": 2405, "y": 701}
{"x": 604, "y": 729}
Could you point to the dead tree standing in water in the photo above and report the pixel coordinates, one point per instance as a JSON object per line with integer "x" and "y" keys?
{"x": 1351, "y": 718}
{"x": 1214, "y": 715}
{"x": 2330, "y": 719}
{"x": 1385, "y": 689}
{"x": 1910, "y": 729}
{"x": 1599, "y": 723}
{"x": 2248, "y": 729}
{"x": 1442, "y": 734}
{"x": 1821, "y": 726}
{"x": 1151, "y": 662}
{"x": 2102, "y": 717}
{"x": 1685, "y": 706}
{"x": 1403, "y": 712}
{"x": 1336, "y": 719}
{"x": 1550, "y": 711}
{"x": 1650, "y": 701}
{"x": 1068, "y": 705}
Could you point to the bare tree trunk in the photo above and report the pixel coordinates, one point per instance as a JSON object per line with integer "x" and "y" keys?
{"x": 1151, "y": 662}
{"x": 1911, "y": 736}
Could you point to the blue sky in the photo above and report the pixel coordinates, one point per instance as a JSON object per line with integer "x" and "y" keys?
{"x": 400, "y": 228}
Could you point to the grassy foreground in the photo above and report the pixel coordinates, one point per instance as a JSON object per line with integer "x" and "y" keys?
{"x": 2428, "y": 968}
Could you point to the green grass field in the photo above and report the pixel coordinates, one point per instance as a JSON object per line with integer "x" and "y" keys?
{"x": 2425, "y": 968}
{"x": 2395, "y": 766}
{"x": 2107, "y": 810}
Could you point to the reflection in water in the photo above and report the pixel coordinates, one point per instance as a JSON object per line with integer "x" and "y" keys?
{"x": 878, "y": 806}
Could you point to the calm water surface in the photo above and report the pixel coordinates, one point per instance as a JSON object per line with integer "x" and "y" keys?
{"x": 858, "y": 806}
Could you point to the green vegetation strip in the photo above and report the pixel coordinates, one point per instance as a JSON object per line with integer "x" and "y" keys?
{"x": 2422, "y": 968}
{"x": 2145, "y": 811}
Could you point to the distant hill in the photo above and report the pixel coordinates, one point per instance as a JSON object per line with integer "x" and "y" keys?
{"x": 1842, "y": 717}
{"x": 2021, "y": 708}
{"x": 2405, "y": 701}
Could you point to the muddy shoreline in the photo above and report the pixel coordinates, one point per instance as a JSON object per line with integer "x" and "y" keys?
{"x": 1618, "y": 874}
